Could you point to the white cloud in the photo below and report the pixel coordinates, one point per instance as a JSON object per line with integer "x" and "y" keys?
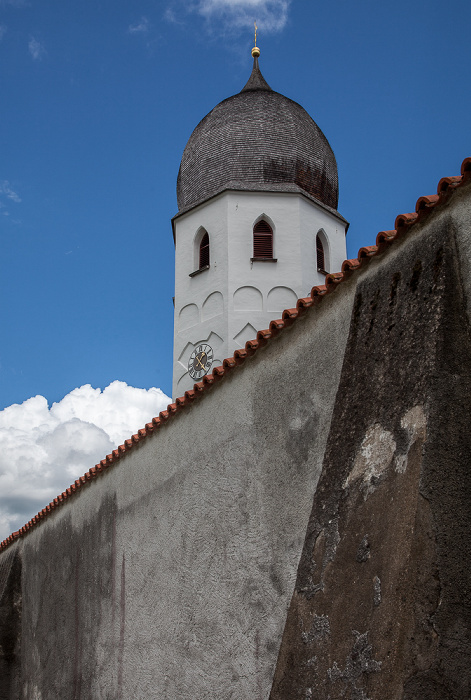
{"x": 141, "y": 27}
{"x": 270, "y": 15}
{"x": 43, "y": 450}
{"x": 36, "y": 49}
{"x": 7, "y": 191}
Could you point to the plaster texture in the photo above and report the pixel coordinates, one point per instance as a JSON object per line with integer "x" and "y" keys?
{"x": 250, "y": 293}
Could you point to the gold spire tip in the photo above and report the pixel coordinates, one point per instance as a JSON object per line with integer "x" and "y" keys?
{"x": 255, "y": 50}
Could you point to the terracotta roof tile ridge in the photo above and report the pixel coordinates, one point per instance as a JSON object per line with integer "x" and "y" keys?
{"x": 424, "y": 206}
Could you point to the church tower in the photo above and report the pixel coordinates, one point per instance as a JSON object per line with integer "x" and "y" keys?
{"x": 257, "y": 225}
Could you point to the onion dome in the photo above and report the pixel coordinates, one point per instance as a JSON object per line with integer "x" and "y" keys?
{"x": 257, "y": 140}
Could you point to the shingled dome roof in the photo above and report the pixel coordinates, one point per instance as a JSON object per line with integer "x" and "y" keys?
{"x": 257, "y": 140}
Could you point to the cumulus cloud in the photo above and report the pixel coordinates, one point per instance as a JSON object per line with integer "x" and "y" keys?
{"x": 6, "y": 191}
{"x": 271, "y": 15}
{"x": 141, "y": 27}
{"x": 43, "y": 450}
{"x": 36, "y": 49}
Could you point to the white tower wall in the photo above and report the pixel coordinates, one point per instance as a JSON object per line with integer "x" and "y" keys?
{"x": 226, "y": 304}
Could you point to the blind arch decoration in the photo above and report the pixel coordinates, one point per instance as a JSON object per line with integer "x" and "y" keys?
{"x": 204, "y": 252}
{"x": 263, "y": 240}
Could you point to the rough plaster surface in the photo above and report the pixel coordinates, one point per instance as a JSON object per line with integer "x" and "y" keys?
{"x": 170, "y": 575}
{"x": 385, "y": 565}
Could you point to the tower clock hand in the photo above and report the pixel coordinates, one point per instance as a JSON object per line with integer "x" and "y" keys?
{"x": 198, "y": 360}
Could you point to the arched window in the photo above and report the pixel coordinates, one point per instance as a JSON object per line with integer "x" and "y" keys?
{"x": 320, "y": 254}
{"x": 263, "y": 241}
{"x": 204, "y": 251}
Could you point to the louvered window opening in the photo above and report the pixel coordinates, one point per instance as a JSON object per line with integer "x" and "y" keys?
{"x": 204, "y": 251}
{"x": 320, "y": 254}
{"x": 262, "y": 240}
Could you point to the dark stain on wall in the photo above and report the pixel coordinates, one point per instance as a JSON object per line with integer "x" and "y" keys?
{"x": 71, "y": 599}
{"x": 122, "y": 627}
{"x": 381, "y": 607}
{"x": 77, "y": 636}
{"x": 10, "y": 624}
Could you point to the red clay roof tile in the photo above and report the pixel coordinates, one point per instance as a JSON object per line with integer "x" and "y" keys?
{"x": 302, "y": 303}
{"x": 350, "y": 265}
{"x": 447, "y": 183}
{"x": 405, "y": 220}
{"x": 425, "y": 202}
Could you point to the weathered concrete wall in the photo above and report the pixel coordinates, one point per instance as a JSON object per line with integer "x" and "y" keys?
{"x": 170, "y": 575}
{"x": 382, "y": 603}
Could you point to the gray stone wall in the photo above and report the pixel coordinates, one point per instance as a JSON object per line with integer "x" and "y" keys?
{"x": 382, "y": 602}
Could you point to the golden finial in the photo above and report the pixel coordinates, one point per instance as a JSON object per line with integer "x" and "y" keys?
{"x": 255, "y": 50}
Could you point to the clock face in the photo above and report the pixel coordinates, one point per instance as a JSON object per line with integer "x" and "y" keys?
{"x": 200, "y": 361}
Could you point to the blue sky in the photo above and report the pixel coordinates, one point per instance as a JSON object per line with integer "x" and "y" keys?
{"x": 98, "y": 100}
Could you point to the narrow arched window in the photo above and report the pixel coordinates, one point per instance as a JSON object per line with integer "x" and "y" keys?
{"x": 262, "y": 240}
{"x": 204, "y": 251}
{"x": 320, "y": 254}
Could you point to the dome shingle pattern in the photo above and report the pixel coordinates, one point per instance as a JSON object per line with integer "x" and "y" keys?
{"x": 254, "y": 140}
